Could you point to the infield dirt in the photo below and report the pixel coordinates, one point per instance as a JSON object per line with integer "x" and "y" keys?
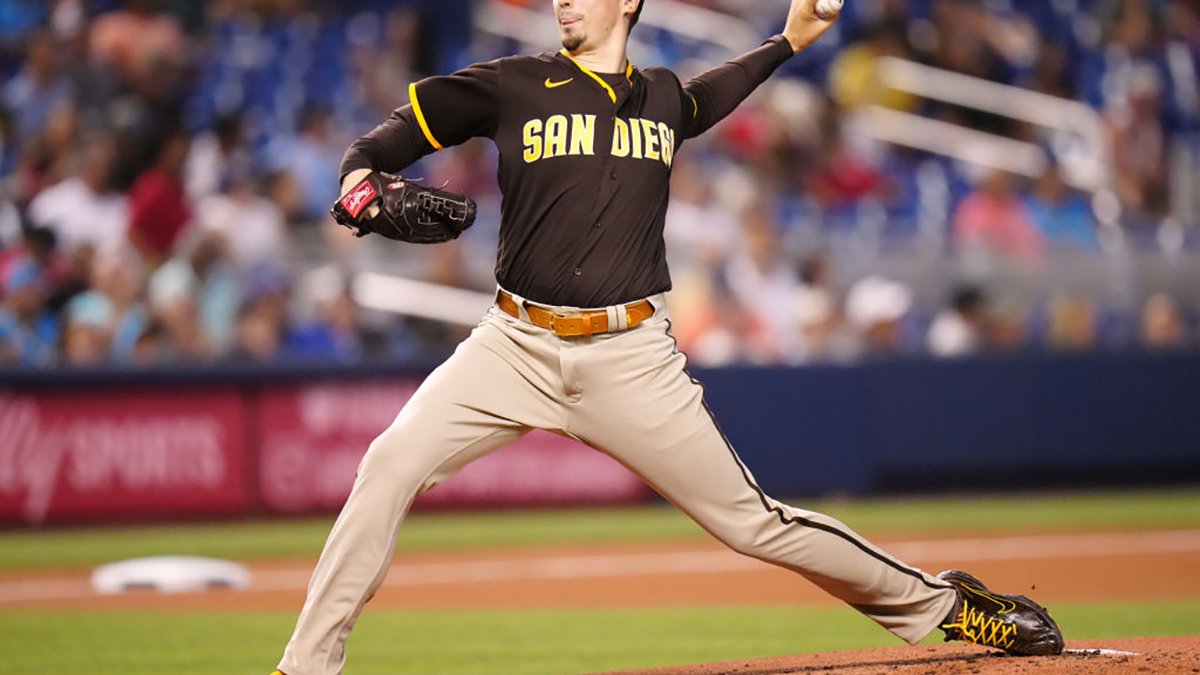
{"x": 1097, "y": 567}
{"x": 1168, "y": 656}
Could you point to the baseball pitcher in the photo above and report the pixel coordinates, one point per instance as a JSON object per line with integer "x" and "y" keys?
{"x": 579, "y": 339}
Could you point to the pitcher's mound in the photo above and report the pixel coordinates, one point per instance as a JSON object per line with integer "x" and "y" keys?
{"x": 1095, "y": 657}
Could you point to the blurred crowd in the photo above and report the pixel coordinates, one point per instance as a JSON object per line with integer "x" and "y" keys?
{"x": 167, "y": 169}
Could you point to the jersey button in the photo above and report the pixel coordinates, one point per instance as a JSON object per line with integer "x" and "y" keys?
{"x": 578, "y": 271}
{"x": 596, "y": 224}
{"x": 613, "y": 175}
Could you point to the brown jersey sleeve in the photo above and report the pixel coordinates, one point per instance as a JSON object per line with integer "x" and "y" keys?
{"x": 389, "y": 147}
{"x": 713, "y": 94}
{"x": 442, "y": 111}
{"x": 453, "y": 108}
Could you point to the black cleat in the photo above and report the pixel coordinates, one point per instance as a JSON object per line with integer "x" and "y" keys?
{"x": 1013, "y": 623}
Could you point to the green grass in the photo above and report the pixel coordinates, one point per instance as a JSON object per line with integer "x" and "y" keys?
{"x": 304, "y": 537}
{"x": 532, "y": 641}
{"x": 489, "y": 643}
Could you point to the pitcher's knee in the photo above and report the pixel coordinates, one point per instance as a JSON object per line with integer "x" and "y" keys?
{"x": 388, "y": 461}
{"x": 756, "y": 535}
{"x": 743, "y": 540}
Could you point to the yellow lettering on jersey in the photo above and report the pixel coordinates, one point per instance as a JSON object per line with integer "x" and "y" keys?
{"x": 562, "y": 135}
{"x": 583, "y": 134}
{"x": 556, "y": 136}
{"x": 650, "y": 133}
{"x": 635, "y": 135}
{"x": 666, "y": 137}
{"x": 620, "y": 144}
{"x": 533, "y": 140}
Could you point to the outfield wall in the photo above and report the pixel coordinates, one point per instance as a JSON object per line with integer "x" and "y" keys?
{"x": 117, "y": 445}
{"x": 937, "y": 425}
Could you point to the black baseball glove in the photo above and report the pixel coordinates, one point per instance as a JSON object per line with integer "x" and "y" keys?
{"x": 406, "y": 211}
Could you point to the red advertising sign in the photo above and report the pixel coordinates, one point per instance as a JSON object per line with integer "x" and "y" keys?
{"x": 313, "y": 437}
{"x": 140, "y": 455}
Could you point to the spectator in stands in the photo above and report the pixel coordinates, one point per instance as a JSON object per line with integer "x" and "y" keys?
{"x": 763, "y": 282}
{"x": 963, "y": 40}
{"x": 250, "y": 227}
{"x": 1162, "y": 325}
{"x": 137, "y": 40}
{"x": 150, "y": 346}
{"x": 259, "y": 333}
{"x": 876, "y": 308}
{"x": 698, "y": 229}
{"x": 218, "y": 291}
{"x": 262, "y": 317}
{"x": 726, "y": 333}
{"x": 68, "y": 19}
{"x": 121, "y": 281}
{"x": 387, "y": 69}
{"x": 854, "y": 78}
{"x": 159, "y": 209}
{"x": 28, "y": 332}
{"x": 286, "y": 194}
{"x": 1183, "y": 22}
{"x": 333, "y": 336}
{"x": 816, "y": 311}
{"x": 842, "y": 178}
{"x": 312, "y": 156}
{"x": 37, "y": 245}
{"x": 1134, "y": 30}
{"x": 1061, "y": 215}
{"x": 216, "y": 156}
{"x": 959, "y": 329}
{"x": 1008, "y": 322}
{"x": 195, "y": 296}
{"x": 692, "y": 306}
{"x": 172, "y": 308}
{"x": 992, "y": 219}
{"x": 84, "y": 209}
{"x": 38, "y": 88}
{"x": 1051, "y": 72}
{"x": 88, "y": 329}
{"x": 470, "y": 259}
{"x": 1139, "y": 147}
{"x": 46, "y": 158}
{"x": 70, "y": 278}
{"x": 1073, "y": 322}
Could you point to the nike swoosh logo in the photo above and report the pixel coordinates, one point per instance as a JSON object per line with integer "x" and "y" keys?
{"x": 551, "y": 85}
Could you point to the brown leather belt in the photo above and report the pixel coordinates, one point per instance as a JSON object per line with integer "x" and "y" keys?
{"x": 575, "y": 324}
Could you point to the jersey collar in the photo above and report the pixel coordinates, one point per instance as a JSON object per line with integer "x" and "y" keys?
{"x": 609, "y": 90}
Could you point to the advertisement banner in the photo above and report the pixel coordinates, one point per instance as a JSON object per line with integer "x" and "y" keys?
{"x": 314, "y": 435}
{"x": 136, "y": 455}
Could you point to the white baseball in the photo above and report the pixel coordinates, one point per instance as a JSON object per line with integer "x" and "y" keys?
{"x": 828, "y": 9}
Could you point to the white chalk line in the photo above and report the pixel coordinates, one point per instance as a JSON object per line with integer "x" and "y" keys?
{"x": 960, "y": 551}
{"x": 1100, "y": 652}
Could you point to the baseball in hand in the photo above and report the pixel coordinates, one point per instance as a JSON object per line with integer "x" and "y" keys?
{"x": 828, "y": 9}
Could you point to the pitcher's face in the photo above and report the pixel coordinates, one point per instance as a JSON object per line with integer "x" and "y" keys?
{"x": 583, "y": 24}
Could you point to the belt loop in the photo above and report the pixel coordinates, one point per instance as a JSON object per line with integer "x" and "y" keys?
{"x": 618, "y": 318}
{"x": 614, "y": 321}
{"x": 523, "y": 314}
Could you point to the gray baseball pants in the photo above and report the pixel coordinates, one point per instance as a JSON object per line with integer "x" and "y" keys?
{"x": 626, "y": 394}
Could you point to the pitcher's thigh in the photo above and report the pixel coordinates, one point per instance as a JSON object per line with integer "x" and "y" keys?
{"x": 665, "y": 433}
{"x": 473, "y": 403}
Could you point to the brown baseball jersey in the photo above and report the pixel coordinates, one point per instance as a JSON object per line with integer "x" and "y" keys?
{"x": 585, "y": 160}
